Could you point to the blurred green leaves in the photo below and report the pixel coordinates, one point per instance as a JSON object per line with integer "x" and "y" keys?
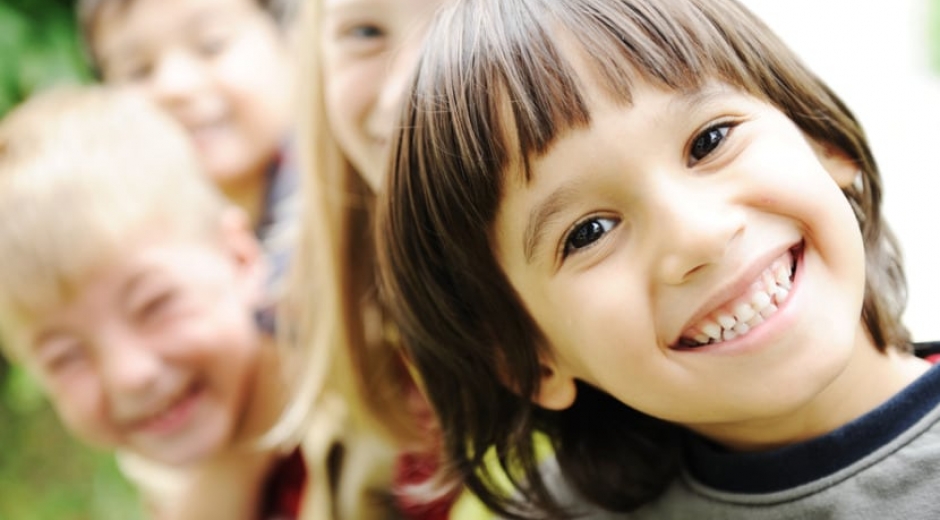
{"x": 44, "y": 473}
{"x": 39, "y": 45}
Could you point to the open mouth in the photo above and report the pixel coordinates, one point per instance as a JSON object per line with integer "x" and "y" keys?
{"x": 741, "y": 315}
{"x": 173, "y": 414}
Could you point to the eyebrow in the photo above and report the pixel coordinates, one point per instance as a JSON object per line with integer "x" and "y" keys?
{"x": 541, "y": 215}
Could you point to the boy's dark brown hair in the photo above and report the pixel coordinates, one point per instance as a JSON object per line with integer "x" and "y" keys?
{"x": 465, "y": 328}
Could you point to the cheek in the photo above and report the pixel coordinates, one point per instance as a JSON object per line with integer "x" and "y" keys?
{"x": 82, "y": 411}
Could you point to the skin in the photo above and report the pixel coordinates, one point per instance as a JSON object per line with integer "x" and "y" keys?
{"x": 662, "y": 212}
{"x": 220, "y": 67}
{"x": 157, "y": 353}
{"x": 370, "y": 48}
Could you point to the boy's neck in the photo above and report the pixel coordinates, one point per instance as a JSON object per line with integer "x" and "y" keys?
{"x": 249, "y": 193}
{"x": 867, "y": 382}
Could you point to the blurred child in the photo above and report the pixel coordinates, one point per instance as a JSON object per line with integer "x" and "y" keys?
{"x": 224, "y": 70}
{"x": 646, "y": 229}
{"x": 129, "y": 288}
{"x": 358, "y": 57}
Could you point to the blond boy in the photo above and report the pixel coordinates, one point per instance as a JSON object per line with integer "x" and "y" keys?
{"x": 128, "y": 287}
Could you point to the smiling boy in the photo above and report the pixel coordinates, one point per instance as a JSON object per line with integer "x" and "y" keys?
{"x": 224, "y": 70}
{"x": 128, "y": 289}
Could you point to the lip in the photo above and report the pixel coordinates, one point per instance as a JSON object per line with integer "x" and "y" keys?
{"x": 735, "y": 289}
{"x": 172, "y": 417}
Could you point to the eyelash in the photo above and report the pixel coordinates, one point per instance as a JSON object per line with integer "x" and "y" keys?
{"x": 724, "y": 128}
{"x": 154, "y": 306}
{"x": 569, "y": 248}
{"x": 365, "y": 30}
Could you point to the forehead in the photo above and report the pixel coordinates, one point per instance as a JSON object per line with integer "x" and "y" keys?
{"x": 119, "y": 24}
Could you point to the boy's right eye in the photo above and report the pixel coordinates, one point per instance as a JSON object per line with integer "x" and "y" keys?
{"x": 58, "y": 355}
{"x": 586, "y": 233}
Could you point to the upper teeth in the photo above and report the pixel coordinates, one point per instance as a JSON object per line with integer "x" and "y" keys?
{"x": 751, "y": 309}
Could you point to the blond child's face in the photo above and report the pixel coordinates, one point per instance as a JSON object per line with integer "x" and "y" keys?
{"x": 156, "y": 353}
{"x": 370, "y": 48}
{"x": 693, "y": 256}
{"x": 221, "y": 67}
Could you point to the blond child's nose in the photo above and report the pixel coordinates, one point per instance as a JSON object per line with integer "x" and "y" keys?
{"x": 129, "y": 365}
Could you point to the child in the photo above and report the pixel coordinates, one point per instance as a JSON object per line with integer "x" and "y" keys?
{"x": 128, "y": 288}
{"x": 644, "y": 228}
{"x": 359, "y": 54}
{"x": 224, "y": 70}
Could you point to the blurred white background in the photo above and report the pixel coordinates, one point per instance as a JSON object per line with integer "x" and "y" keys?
{"x": 875, "y": 55}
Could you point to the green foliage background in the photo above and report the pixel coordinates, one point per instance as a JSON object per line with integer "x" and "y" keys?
{"x": 44, "y": 474}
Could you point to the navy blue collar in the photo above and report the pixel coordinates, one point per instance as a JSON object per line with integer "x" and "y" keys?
{"x": 790, "y": 466}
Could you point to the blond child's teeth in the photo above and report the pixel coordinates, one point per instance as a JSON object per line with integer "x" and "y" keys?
{"x": 702, "y": 338}
{"x": 757, "y": 320}
{"x": 744, "y": 312}
{"x": 728, "y": 335}
{"x": 781, "y": 294}
{"x": 726, "y": 321}
{"x": 782, "y": 275}
{"x": 741, "y": 329}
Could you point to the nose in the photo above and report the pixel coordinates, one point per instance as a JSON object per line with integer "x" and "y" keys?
{"x": 175, "y": 77}
{"x": 695, "y": 225}
{"x": 130, "y": 365}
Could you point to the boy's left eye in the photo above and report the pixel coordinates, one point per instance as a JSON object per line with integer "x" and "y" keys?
{"x": 707, "y": 141}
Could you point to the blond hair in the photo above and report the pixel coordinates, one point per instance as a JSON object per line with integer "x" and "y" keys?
{"x": 82, "y": 171}
{"x": 332, "y": 299}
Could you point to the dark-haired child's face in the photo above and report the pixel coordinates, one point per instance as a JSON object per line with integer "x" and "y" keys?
{"x": 221, "y": 67}
{"x": 694, "y": 256}
{"x": 157, "y": 352}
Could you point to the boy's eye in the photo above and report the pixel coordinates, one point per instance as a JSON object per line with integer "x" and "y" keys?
{"x": 60, "y": 354}
{"x": 156, "y": 306}
{"x": 707, "y": 141}
{"x": 210, "y": 45}
{"x": 586, "y": 233}
{"x": 136, "y": 71}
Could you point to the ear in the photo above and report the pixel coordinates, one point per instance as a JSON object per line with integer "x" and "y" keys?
{"x": 841, "y": 168}
{"x": 557, "y": 389}
{"x": 242, "y": 246}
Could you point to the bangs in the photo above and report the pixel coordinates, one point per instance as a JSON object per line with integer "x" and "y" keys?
{"x": 503, "y": 55}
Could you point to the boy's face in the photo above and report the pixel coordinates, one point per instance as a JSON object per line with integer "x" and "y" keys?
{"x": 156, "y": 353}
{"x": 221, "y": 67}
{"x": 692, "y": 255}
{"x": 370, "y": 48}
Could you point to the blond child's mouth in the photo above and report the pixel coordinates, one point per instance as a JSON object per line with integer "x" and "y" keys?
{"x": 749, "y": 310}
{"x": 173, "y": 415}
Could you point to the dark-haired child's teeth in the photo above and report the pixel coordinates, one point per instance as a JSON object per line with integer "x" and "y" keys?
{"x": 767, "y": 293}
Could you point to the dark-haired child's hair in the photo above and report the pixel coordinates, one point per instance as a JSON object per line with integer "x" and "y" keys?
{"x": 493, "y": 87}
